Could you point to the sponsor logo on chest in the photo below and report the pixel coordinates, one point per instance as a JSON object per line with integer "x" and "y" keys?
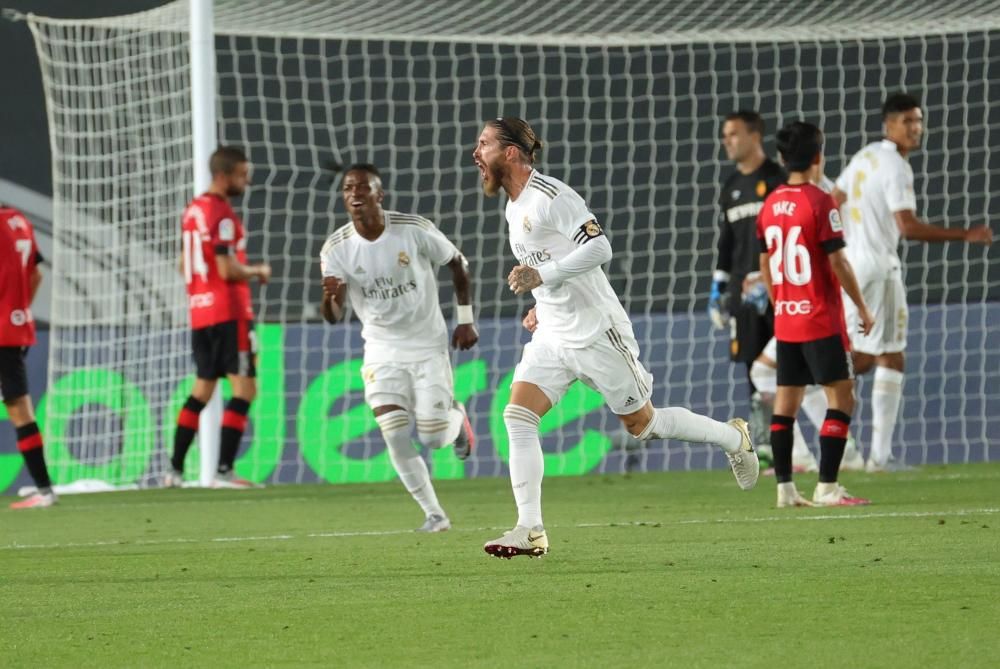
{"x": 745, "y": 210}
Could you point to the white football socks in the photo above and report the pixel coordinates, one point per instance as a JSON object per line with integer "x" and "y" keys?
{"x": 887, "y": 393}
{"x": 437, "y": 432}
{"x": 411, "y": 468}
{"x": 678, "y": 423}
{"x": 527, "y": 464}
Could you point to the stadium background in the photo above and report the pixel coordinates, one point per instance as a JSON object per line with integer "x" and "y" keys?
{"x": 687, "y": 190}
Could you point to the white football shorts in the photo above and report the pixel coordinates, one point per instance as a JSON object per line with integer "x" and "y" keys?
{"x": 425, "y": 388}
{"x": 610, "y": 366}
{"x": 885, "y": 295}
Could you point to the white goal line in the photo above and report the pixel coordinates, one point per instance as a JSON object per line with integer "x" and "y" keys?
{"x": 791, "y": 516}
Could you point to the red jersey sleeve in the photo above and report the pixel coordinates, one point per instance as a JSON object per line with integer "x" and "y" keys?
{"x": 829, "y": 230}
{"x": 223, "y": 228}
{"x": 19, "y": 257}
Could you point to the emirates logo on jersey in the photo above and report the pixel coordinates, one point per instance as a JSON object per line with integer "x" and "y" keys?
{"x": 526, "y": 224}
{"x": 404, "y": 260}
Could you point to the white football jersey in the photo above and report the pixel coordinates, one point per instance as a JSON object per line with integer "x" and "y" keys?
{"x": 546, "y": 223}
{"x": 392, "y": 285}
{"x": 878, "y": 182}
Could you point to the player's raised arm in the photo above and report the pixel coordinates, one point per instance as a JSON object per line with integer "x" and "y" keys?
{"x": 466, "y": 335}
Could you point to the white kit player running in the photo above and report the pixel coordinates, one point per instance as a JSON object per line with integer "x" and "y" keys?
{"x": 386, "y": 263}
{"x": 877, "y": 187}
{"x": 582, "y": 330}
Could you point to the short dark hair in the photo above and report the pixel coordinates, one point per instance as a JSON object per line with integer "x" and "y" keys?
{"x": 225, "y": 159}
{"x": 512, "y": 131}
{"x": 752, "y": 119}
{"x": 899, "y": 102}
{"x": 799, "y": 143}
{"x": 360, "y": 167}
{"x": 363, "y": 167}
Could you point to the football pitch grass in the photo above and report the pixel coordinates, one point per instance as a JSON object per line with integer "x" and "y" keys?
{"x": 651, "y": 570}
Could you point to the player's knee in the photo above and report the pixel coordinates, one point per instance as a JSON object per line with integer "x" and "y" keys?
{"x": 842, "y": 399}
{"x": 20, "y": 410}
{"x": 636, "y": 423}
{"x": 244, "y": 387}
{"x": 432, "y": 431}
{"x": 862, "y": 362}
{"x": 636, "y": 428}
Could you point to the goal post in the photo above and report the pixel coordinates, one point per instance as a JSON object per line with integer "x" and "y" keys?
{"x": 203, "y": 142}
{"x": 629, "y": 99}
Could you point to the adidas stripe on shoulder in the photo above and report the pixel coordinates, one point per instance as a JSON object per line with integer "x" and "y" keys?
{"x": 338, "y": 236}
{"x": 537, "y": 182}
{"x": 397, "y": 218}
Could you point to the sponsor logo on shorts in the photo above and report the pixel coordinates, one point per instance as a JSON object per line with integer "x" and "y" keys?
{"x": 631, "y": 400}
{"x": 793, "y": 307}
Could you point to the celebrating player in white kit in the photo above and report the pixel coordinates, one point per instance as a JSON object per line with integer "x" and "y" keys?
{"x": 386, "y": 263}
{"x": 582, "y": 330}
{"x": 877, "y": 187}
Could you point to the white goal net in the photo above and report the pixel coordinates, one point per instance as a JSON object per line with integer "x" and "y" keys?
{"x": 629, "y": 98}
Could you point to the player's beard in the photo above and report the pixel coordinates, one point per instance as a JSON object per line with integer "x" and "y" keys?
{"x": 493, "y": 181}
{"x": 234, "y": 191}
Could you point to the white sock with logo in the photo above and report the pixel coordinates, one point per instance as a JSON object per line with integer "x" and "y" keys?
{"x": 411, "y": 468}
{"x": 887, "y": 394}
{"x": 678, "y": 423}
{"x": 527, "y": 465}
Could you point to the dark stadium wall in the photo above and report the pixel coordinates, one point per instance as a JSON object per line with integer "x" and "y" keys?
{"x": 24, "y": 151}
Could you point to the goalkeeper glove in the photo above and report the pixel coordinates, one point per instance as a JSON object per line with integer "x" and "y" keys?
{"x": 757, "y": 297}
{"x": 717, "y": 300}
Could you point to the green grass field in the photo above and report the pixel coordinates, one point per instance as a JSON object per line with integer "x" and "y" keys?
{"x": 654, "y": 570}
